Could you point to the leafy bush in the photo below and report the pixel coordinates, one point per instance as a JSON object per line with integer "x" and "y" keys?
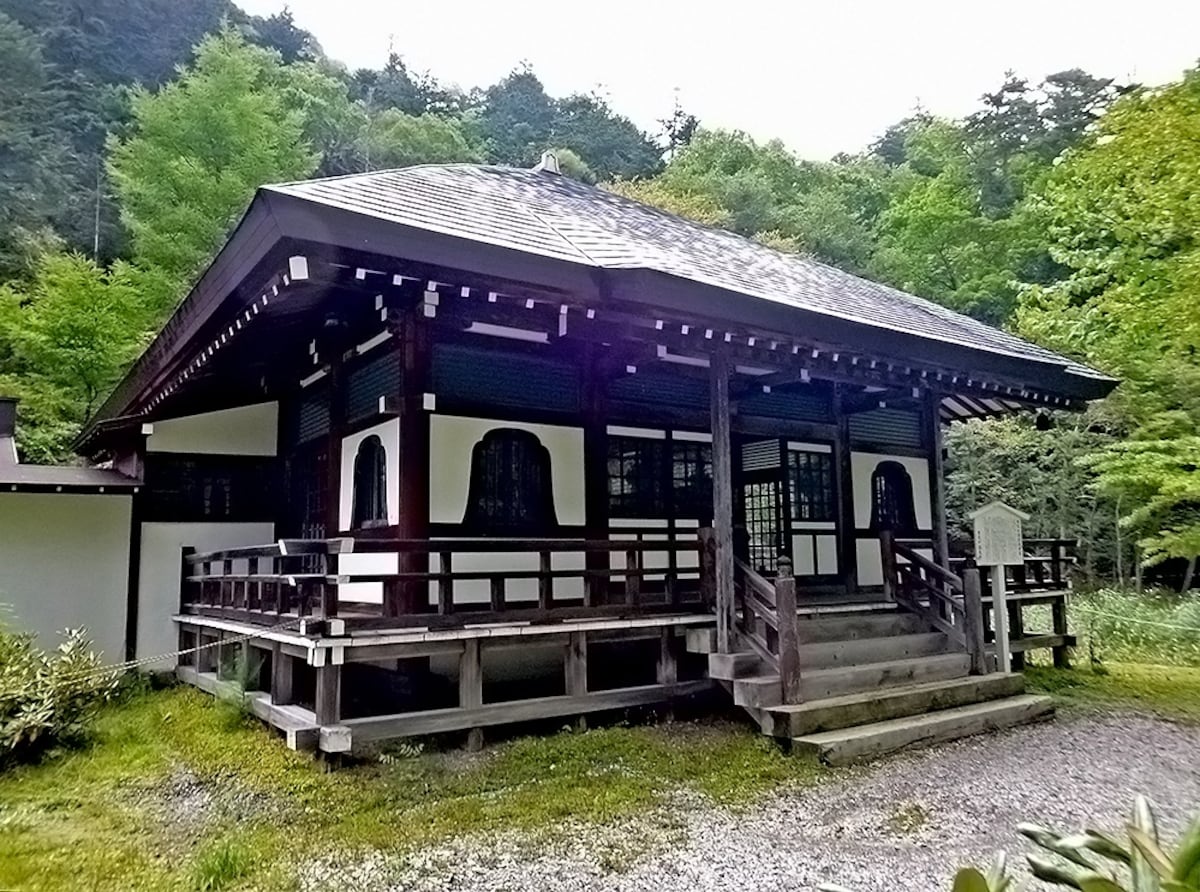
{"x": 47, "y": 699}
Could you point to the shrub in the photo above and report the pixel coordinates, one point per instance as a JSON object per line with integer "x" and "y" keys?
{"x": 47, "y": 699}
{"x": 1152, "y": 627}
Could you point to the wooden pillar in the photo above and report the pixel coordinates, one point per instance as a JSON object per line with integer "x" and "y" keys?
{"x": 667, "y": 670}
{"x": 575, "y": 668}
{"x": 937, "y": 479}
{"x": 722, "y": 454}
{"x": 413, "y": 522}
{"x": 887, "y": 563}
{"x": 470, "y": 687}
{"x": 595, "y": 475}
{"x": 843, "y": 487}
{"x": 333, "y": 440}
{"x": 1058, "y": 613}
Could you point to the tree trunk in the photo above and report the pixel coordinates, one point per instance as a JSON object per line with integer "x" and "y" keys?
{"x": 1188, "y": 574}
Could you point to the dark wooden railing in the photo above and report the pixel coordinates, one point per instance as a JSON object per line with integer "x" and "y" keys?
{"x": 1047, "y": 567}
{"x": 302, "y": 578}
{"x": 952, "y": 603}
{"x": 767, "y": 621}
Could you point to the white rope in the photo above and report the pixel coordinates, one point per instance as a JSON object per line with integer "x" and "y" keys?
{"x": 1130, "y": 619}
{"x": 115, "y": 668}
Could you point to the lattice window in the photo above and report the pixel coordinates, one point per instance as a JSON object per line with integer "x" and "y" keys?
{"x": 511, "y": 490}
{"x": 636, "y": 471}
{"x": 811, "y": 479}
{"x": 892, "y": 499}
{"x": 692, "y": 479}
{"x": 370, "y": 484}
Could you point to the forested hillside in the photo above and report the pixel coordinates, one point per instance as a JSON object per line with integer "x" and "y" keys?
{"x": 133, "y": 133}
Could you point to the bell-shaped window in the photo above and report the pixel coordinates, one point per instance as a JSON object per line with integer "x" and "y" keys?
{"x": 370, "y": 484}
{"x": 892, "y": 499}
{"x": 510, "y": 492}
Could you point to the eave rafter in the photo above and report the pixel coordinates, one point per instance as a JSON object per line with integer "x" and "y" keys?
{"x": 632, "y": 338}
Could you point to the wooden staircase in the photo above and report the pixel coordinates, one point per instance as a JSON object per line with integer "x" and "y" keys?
{"x": 864, "y": 683}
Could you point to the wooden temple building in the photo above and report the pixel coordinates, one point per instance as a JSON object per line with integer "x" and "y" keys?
{"x": 450, "y": 447}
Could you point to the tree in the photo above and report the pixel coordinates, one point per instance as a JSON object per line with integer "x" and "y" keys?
{"x": 1121, "y": 216}
{"x": 609, "y": 144}
{"x": 279, "y": 32}
{"x": 394, "y": 139}
{"x": 32, "y": 161}
{"x": 198, "y": 149}
{"x": 69, "y": 335}
{"x": 516, "y": 119}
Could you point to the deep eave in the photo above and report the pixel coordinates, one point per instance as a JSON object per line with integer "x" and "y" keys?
{"x": 279, "y": 223}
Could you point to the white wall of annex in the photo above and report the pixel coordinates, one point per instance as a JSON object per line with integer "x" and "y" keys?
{"x": 389, "y": 434}
{"x": 158, "y": 580}
{"x": 245, "y": 430}
{"x": 64, "y": 563}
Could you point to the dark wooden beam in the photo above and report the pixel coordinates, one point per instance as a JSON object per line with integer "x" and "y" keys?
{"x": 843, "y": 487}
{"x": 931, "y": 415}
{"x": 722, "y": 454}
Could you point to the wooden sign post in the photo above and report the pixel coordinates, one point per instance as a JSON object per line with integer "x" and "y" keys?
{"x": 998, "y": 544}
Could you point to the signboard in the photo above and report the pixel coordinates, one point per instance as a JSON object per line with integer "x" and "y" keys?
{"x": 998, "y": 535}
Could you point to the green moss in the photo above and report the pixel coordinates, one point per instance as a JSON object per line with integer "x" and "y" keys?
{"x": 169, "y": 796}
{"x": 1168, "y": 691}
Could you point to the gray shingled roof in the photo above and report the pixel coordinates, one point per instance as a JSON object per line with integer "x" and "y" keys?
{"x": 554, "y": 216}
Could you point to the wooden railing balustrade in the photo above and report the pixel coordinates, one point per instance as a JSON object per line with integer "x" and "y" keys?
{"x": 303, "y": 578}
{"x": 952, "y": 603}
{"x": 1047, "y": 567}
{"x": 767, "y": 621}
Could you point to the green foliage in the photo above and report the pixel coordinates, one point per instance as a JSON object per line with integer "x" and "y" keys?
{"x": 198, "y": 149}
{"x": 221, "y": 865}
{"x": 47, "y": 699}
{"x": 1097, "y": 862}
{"x": 1155, "y": 627}
{"x": 395, "y": 139}
{"x": 68, "y": 335}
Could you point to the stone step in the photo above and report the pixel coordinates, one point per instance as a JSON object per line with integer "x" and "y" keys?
{"x": 856, "y": 651}
{"x": 849, "y": 626}
{"x": 813, "y": 717}
{"x": 700, "y": 641}
{"x": 818, "y": 684}
{"x": 757, "y": 692}
{"x": 864, "y": 742}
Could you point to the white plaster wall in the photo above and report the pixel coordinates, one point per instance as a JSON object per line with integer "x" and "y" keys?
{"x": 158, "y": 582}
{"x": 246, "y": 430}
{"x": 863, "y": 464}
{"x": 389, "y": 434}
{"x": 451, "y": 439}
{"x": 64, "y": 563}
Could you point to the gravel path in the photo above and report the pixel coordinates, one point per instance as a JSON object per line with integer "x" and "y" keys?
{"x": 904, "y": 824}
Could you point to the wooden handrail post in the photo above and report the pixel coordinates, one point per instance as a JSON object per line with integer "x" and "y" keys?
{"x": 329, "y": 589}
{"x": 973, "y": 620}
{"x": 789, "y": 641}
{"x": 633, "y": 579}
{"x": 887, "y": 562}
{"x": 1056, "y": 562}
{"x": 708, "y": 568}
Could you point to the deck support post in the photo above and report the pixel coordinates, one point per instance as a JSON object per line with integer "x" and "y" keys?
{"x": 722, "y": 457}
{"x": 470, "y": 688}
{"x": 328, "y": 706}
{"x": 575, "y": 667}
{"x": 667, "y": 671}
{"x": 973, "y": 620}
{"x": 1058, "y": 613}
{"x": 283, "y": 676}
{"x": 206, "y": 654}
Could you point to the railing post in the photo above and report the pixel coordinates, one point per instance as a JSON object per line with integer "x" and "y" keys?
{"x": 445, "y": 583}
{"x": 329, "y": 588}
{"x": 973, "y": 620}
{"x": 1056, "y": 562}
{"x": 545, "y": 581}
{"x": 789, "y": 641}
{"x": 633, "y": 579}
{"x": 887, "y": 562}
{"x": 708, "y": 568}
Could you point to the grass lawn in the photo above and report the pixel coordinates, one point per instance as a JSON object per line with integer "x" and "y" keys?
{"x": 181, "y": 792}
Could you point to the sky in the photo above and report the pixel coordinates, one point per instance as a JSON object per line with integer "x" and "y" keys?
{"x": 823, "y": 77}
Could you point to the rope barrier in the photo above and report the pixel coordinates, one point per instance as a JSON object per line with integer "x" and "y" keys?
{"x": 115, "y": 668}
{"x": 1129, "y": 619}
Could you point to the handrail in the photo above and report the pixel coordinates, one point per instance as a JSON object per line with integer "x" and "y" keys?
{"x": 763, "y": 588}
{"x": 926, "y": 564}
{"x": 768, "y": 622}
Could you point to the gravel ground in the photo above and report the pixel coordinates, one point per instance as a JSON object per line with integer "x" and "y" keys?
{"x": 902, "y": 824}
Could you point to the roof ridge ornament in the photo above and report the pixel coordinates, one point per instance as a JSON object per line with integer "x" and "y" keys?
{"x": 548, "y": 164}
